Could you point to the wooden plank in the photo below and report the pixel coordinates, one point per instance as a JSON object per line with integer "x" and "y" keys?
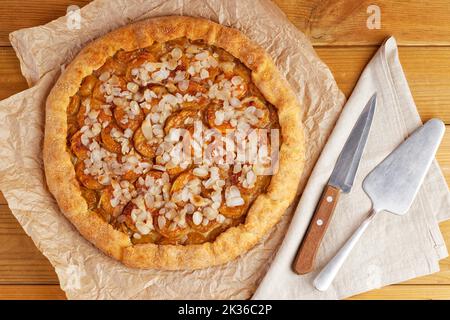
{"x": 443, "y": 155}
{"x": 346, "y": 64}
{"x": 412, "y": 292}
{"x": 11, "y": 79}
{"x": 395, "y": 292}
{"x": 425, "y": 68}
{"x": 336, "y": 22}
{"x": 2, "y": 199}
{"x": 344, "y": 22}
{"x": 331, "y": 22}
{"x": 20, "y": 261}
{"x": 31, "y": 292}
{"x": 15, "y": 15}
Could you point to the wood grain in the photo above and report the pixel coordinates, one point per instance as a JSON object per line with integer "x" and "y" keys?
{"x": 426, "y": 70}
{"x": 31, "y": 292}
{"x": 20, "y": 261}
{"x": 443, "y": 155}
{"x": 304, "y": 262}
{"x": 338, "y": 30}
{"x": 396, "y": 292}
{"x": 11, "y": 79}
{"x": 344, "y": 22}
{"x": 16, "y": 15}
{"x": 2, "y": 199}
{"x": 326, "y": 22}
{"x": 412, "y": 292}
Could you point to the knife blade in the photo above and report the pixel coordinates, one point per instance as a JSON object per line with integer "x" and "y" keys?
{"x": 341, "y": 180}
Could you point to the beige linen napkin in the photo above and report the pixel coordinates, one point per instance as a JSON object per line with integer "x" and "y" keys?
{"x": 394, "y": 248}
{"x": 84, "y": 272}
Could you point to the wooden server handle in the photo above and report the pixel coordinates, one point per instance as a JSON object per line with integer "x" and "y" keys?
{"x": 318, "y": 226}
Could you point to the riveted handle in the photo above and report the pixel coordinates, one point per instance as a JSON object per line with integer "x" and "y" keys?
{"x": 304, "y": 261}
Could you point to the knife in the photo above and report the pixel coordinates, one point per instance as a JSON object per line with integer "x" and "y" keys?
{"x": 341, "y": 180}
{"x": 392, "y": 187}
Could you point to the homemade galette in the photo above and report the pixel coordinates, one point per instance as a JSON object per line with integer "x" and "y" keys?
{"x": 173, "y": 143}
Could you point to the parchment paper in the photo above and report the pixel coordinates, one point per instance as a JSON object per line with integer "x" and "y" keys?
{"x": 84, "y": 272}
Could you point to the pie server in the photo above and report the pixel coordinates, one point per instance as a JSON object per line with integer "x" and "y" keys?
{"x": 341, "y": 180}
{"x": 392, "y": 186}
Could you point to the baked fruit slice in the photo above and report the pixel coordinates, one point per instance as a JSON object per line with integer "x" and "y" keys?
{"x": 157, "y": 143}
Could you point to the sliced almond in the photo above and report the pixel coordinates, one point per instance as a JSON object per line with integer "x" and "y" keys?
{"x": 235, "y": 202}
{"x": 146, "y": 128}
{"x": 200, "y": 172}
{"x": 197, "y": 218}
{"x": 161, "y": 222}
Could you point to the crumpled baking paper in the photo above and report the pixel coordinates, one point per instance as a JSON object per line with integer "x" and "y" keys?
{"x": 84, "y": 272}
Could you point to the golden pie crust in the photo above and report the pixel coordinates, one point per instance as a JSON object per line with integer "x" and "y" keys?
{"x": 265, "y": 211}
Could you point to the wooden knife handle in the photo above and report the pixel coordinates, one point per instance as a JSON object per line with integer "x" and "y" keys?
{"x": 318, "y": 226}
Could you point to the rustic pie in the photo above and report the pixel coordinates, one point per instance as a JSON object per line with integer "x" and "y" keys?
{"x": 115, "y": 151}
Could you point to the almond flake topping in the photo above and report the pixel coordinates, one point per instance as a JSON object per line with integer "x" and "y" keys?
{"x": 186, "y": 76}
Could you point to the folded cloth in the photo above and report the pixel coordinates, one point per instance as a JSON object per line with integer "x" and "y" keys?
{"x": 394, "y": 248}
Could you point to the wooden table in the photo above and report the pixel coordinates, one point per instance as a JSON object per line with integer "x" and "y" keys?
{"x": 338, "y": 30}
